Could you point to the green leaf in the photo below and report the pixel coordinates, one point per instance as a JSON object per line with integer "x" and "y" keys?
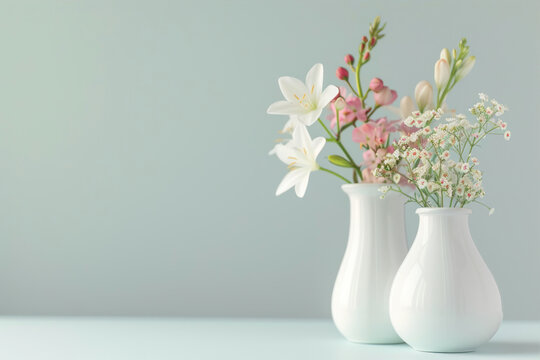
{"x": 339, "y": 161}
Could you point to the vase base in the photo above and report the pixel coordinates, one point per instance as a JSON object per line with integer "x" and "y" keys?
{"x": 375, "y": 342}
{"x": 466, "y": 350}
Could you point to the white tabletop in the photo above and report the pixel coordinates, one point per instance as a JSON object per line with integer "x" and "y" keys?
{"x": 25, "y": 338}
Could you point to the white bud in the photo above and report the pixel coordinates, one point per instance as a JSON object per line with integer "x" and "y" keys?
{"x": 423, "y": 93}
{"x": 339, "y": 103}
{"x": 442, "y": 73}
{"x": 465, "y": 68}
{"x": 406, "y": 107}
{"x": 445, "y": 54}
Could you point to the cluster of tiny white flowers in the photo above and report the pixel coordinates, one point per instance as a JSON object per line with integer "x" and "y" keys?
{"x": 420, "y": 119}
{"x": 425, "y": 155}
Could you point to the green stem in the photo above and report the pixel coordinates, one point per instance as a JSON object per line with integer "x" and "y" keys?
{"x": 352, "y": 88}
{"x": 368, "y": 116}
{"x": 337, "y": 125}
{"x": 334, "y": 173}
{"x": 358, "y": 85}
{"x": 337, "y": 141}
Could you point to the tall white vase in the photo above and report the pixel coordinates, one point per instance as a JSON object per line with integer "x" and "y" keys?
{"x": 375, "y": 250}
{"x": 444, "y": 298}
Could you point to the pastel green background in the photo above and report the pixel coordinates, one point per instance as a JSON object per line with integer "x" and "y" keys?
{"x": 134, "y": 175}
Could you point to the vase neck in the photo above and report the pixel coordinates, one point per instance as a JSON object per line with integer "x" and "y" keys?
{"x": 444, "y": 225}
{"x": 373, "y": 218}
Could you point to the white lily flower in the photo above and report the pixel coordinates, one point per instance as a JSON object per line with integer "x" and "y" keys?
{"x": 304, "y": 100}
{"x": 300, "y": 155}
{"x": 291, "y": 124}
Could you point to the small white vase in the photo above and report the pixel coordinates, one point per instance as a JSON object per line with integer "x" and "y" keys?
{"x": 375, "y": 250}
{"x": 444, "y": 298}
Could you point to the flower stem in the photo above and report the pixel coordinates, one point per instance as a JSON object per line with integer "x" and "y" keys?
{"x": 334, "y": 173}
{"x": 337, "y": 125}
{"x": 337, "y": 141}
{"x": 352, "y": 88}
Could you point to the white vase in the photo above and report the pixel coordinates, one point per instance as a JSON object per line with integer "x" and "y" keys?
{"x": 375, "y": 250}
{"x": 444, "y": 298}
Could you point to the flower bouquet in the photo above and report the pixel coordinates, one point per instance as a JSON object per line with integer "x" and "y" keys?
{"x": 441, "y": 294}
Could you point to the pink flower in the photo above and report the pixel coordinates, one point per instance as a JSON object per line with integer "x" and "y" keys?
{"x": 368, "y": 176}
{"x": 352, "y": 111}
{"x": 371, "y": 160}
{"x": 374, "y": 134}
{"x": 385, "y": 96}
{"x": 342, "y": 73}
{"x": 376, "y": 85}
{"x": 349, "y": 59}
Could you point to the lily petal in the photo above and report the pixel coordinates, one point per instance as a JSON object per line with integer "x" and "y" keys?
{"x": 311, "y": 117}
{"x": 327, "y": 95}
{"x": 301, "y": 186}
{"x": 314, "y": 80}
{"x": 290, "y": 180}
{"x": 284, "y": 108}
{"x": 291, "y": 88}
{"x": 302, "y": 136}
{"x": 291, "y": 124}
{"x": 283, "y": 152}
{"x": 317, "y": 146}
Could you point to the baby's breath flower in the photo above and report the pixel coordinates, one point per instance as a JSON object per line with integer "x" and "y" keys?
{"x": 431, "y": 187}
{"x": 446, "y": 155}
{"x": 396, "y": 178}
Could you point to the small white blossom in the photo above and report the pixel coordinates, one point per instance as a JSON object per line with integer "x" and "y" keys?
{"x": 446, "y": 155}
{"x": 396, "y": 178}
{"x": 507, "y": 135}
{"x": 431, "y": 187}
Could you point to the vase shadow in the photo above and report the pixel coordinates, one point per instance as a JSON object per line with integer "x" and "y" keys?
{"x": 510, "y": 347}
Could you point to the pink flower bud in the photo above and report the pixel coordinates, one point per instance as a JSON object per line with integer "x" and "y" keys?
{"x": 364, "y": 39}
{"x": 372, "y": 42}
{"x": 385, "y": 96}
{"x": 366, "y": 56}
{"x": 342, "y": 73}
{"x": 362, "y": 47}
{"x": 349, "y": 59}
{"x": 376, "y": 85}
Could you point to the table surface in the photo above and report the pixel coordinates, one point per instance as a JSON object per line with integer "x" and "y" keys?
{"x": 76, "y": 338}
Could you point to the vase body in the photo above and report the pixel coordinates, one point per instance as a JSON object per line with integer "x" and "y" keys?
{"x": 376, "y": 247}
{"x": 444, "y": 298}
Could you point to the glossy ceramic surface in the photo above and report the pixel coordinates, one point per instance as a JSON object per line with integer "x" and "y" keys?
{"x": 444, "y": 298}
{"x": 375, "y": 250}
